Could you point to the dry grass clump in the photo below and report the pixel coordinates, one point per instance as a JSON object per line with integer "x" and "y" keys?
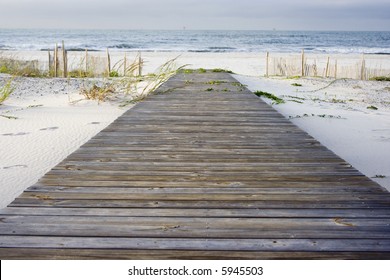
{"x": 99, "y": 93}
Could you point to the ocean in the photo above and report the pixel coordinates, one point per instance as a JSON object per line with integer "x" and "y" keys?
{"x": 198, "y": 41}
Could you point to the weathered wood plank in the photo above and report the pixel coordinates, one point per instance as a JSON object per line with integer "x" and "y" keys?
{"x": 378, "y": 213}
{"x": 221, "y": 196}
{"x": 218, "y": 184}
{"x": 190, "y": 227}
{"x": 302, "y": 245}
{"x": 212, "y": 204}
{"x": 107, "y": 254}
{"x": 335, "y": 190}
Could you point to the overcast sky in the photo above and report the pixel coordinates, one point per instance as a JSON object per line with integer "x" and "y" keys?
{"x": 197, "y": 14}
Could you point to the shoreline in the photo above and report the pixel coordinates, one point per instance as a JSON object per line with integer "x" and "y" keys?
{"x": 49, "y": 126}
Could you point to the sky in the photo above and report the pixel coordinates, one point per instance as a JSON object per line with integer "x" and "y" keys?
{"x": 349, "y": 15}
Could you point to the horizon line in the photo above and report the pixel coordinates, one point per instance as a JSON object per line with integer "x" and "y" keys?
{"x": 188, "y": 29}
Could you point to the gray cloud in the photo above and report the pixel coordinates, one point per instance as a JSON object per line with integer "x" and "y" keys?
{"x": 197, "y": 14}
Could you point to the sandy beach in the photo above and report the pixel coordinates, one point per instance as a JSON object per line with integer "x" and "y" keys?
{"x": 41, "y": 122}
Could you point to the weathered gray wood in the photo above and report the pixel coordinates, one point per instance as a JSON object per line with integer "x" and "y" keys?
{"x": 216, "y": 213}
{"x": 99, "y": 254}
{"x": 205, "y": 190}
{"x": 212, "y": 204}
{"x": 192, "y": 173}
{"x": 269, "y": 244}
{"x": 195, "y": 227}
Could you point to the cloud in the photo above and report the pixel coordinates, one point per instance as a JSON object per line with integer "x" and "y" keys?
{"x": 197, "y": 14}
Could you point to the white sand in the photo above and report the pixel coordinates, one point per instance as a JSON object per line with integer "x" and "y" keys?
{"x": 43, "y": 136}
{"x": 49, "y": 127}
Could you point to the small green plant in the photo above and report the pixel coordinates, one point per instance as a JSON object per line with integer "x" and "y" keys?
{"x": 372, "y": 107}
{"x": 219, "y": 70}
{"x": 215, "y": 82}
{"x": 238, "y": 84}
{"x": 202, "y": 71}
{"x": 188, "y": 71}
{"x": 271, "y": 96}
{"x": 293, "y": 77}
{"x": 6, "y": 90}
{"x": 4, "y": 69}
{"x": 296, "y": 85}
{"x": 78, "y": 74}
{"x": 114, "y": 74}
{"x": 209, "y": 89}
{"x": 381, "y": 79}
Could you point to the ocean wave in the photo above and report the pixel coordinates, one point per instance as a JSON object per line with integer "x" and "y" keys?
{"x": 73, "y": 49}
{"x": 5, "y": 47}
{"x": 123, "y": 46}
{"x": 221, "y": 48}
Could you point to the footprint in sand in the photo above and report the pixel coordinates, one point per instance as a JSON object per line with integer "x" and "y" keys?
{"x": 94, "y": 123}
{"x": 15, "y": 134}
{"x": 15, "y": 166}
{"x": 49, "y": 128}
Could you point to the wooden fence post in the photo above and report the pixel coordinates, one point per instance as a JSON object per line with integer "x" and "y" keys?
{"x": 86, "y": 61}
{"x": 303, "y": 63}
{"x": 65, "y": 61}
{"x": 49, "y": 62}
{"x": 266, "y": 65}
{"x": 327, "y": 68}
{"x": 139, "y": 65}
{"x": 363, "y": 69}
{"x": 108, "y": 64}
{"x": 335, "y": 69}
{"x": 56, "y": 60}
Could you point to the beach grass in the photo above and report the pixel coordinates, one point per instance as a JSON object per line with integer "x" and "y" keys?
{"x": 6, "y": 90}
{"x": 99, "y": 93}
{"x": 220, "y": 70}
{"x": 216, "y": 82}
{"x": 268, "y": 95}
{"x": 17, "y": 67}
{"x": 381, "y": 79}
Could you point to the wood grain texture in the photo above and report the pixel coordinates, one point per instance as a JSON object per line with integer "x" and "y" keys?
{"x": 197, "y": 174}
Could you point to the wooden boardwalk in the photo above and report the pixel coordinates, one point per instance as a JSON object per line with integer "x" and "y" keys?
{"x": 204, "y": 169}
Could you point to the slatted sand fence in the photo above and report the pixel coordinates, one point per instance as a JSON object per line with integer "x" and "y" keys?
{"x": 202, "y": 169}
